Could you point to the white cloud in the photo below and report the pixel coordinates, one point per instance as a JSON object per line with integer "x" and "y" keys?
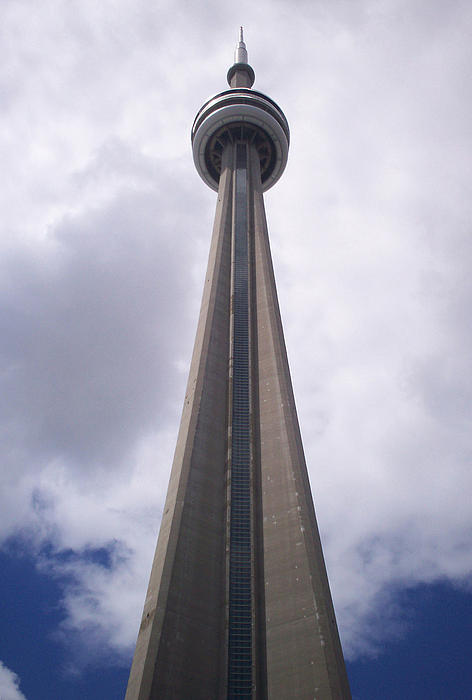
{"x": 105, "y": 233}
{"x": 9, "y": 684}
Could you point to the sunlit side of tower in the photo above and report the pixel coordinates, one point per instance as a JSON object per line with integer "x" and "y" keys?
{"x": 238, "y": 604}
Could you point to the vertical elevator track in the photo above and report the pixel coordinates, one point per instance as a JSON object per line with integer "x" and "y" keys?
{"x": 240, "y": 587}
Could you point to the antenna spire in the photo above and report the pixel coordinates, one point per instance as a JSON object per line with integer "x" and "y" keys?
{"x": 240, "y": 74}
{"x": 240, "y": 54}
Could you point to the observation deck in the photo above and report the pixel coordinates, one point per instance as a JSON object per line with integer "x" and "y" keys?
{"x": 240, "y": 114}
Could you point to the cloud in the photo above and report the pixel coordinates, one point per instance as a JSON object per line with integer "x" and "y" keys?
{"x": 105, "y": 234}
{"x": 9, "y": 684}
{"x": 89, "y": 371}
{"x": 88, "y": 362}
{"x": 371, "y": 250}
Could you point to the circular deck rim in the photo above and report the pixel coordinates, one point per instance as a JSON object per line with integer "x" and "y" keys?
{"x": 240, "y": 105}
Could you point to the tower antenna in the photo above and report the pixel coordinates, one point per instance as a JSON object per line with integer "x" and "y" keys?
{"x": 240, "y": 53}
{"x": 241, "y": 73}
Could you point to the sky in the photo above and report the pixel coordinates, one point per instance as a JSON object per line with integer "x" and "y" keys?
{"x": 105, "y": 232}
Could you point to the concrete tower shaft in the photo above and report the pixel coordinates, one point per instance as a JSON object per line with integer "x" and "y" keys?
{"x": 238, "y": 603}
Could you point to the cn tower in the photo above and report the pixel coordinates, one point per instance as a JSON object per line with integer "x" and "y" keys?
{"x": 238, "y": 604}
